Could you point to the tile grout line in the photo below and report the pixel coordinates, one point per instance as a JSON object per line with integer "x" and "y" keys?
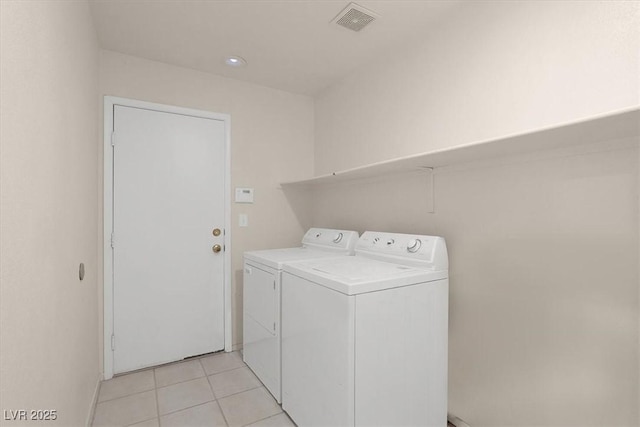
{"x": 222, "y": 412}
{"x": 222, "y": 372}
{"x": 214, "y": 395}
{"x": 261, "y": 419}
{"x": 228, "y": 370}
{"x": 254, "y": 388}
{"x": 188, "y": 407}
{"x": 244, "y": 391}
{"x": 168, "y": 385}
{"x": 261, "y": 385}
{"x": 270, "y": 416}
{"x": 143, "y": 421}
{"x": 266, "y": 418}
{"x": 183, "y": 381}
{"x": 123, "y": 397}
{"x": 126, "y": 395}
{"x": 156, "y": 388}
{"x": 148, "y": 419}
{"x": 162, "y": 365}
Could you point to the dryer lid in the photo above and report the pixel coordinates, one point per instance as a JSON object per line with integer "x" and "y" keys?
{"x": 275, "y": 258}
{"x": 316, "y": 243}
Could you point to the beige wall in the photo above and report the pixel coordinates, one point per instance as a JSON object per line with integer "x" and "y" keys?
{"x": 543, "y": 280}
{"x": 49, "y": 208}
{"x": 271, "y": 142}
{"x": 543, "y": 247}
{"x": 490, "y": 69}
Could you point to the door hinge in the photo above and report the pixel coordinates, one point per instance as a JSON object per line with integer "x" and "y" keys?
{"x": 274, "y": 326}
{"x": 112, "y": 241}
{"x": 113, "y": 138}
{"x": 274, "y": 285}
{"x": 113, "y": 342}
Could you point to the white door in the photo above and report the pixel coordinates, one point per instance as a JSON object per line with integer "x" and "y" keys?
{"x": 168, "y": 197}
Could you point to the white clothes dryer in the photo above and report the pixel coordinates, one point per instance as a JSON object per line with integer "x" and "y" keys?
{"x": 261, "y": 298}
{"x": 364, "y": 338}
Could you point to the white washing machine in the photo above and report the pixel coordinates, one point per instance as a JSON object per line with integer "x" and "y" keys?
{"x": 261, "y": 296}
{"x": 364, "y": 338}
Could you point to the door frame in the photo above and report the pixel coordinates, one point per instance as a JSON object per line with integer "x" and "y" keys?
{"x": 109, "y": 103}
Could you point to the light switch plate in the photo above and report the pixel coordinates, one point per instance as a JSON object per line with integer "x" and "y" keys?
{"x": 243, "y": 220}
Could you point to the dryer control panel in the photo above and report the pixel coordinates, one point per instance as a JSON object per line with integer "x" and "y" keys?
{"x": 411, "y": 249}
{"x": 327, "y": 238}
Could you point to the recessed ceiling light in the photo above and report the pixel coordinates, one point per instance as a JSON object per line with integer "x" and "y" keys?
{"x": 235, "y": 61}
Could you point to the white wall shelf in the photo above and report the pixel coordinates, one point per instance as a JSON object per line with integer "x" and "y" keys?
{"x": 613, "y": 126}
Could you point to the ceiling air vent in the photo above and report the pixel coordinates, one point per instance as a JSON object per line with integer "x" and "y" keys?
{"x": 355, "y": 17}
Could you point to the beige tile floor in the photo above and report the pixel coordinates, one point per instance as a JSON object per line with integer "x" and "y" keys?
{"x": 215, "y": 390}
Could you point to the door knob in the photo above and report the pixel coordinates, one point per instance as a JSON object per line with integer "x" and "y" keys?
{"x": 216, "y": 232}
{"x": 216, "y": 248}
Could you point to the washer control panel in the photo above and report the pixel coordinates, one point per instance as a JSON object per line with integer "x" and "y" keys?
{"x": 425, "y": 250}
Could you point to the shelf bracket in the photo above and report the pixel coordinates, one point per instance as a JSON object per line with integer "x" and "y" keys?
{"x": 430, "y": 188}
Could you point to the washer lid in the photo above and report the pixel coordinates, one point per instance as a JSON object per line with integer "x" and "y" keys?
{"x": 274, "y": 258}
{"x": 356, "y": 275}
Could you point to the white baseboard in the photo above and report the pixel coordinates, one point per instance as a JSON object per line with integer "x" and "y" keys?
{"x": 94, "y": 401}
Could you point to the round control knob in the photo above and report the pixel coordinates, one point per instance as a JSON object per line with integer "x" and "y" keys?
{"x": 390, "y": 242}
{"x": 413, "y": 245}
{"x": 376, "y": 240}
{"x": 337, "y": 238}
{"x": 318, "y": 235}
